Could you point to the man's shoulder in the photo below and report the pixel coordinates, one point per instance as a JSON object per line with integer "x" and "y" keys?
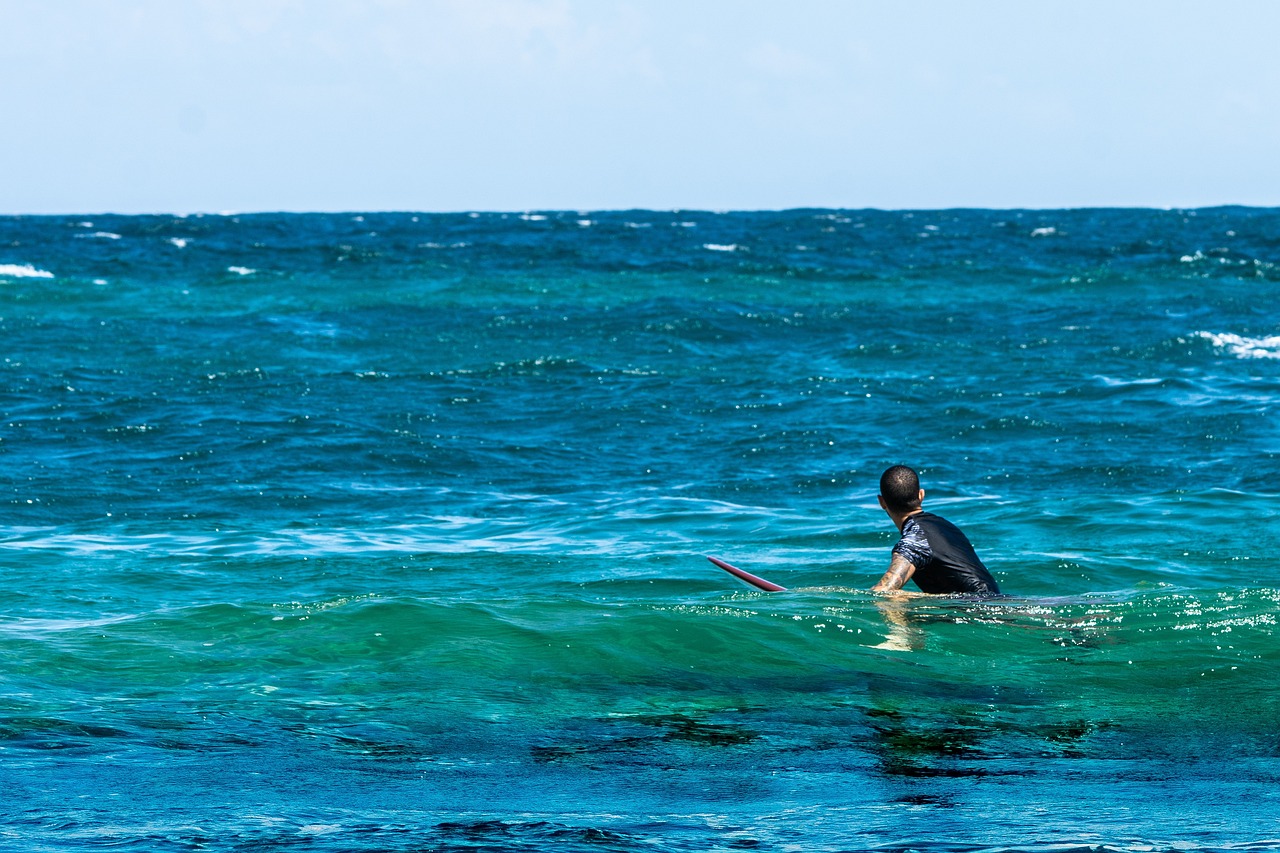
{"x": 931, "y": 518}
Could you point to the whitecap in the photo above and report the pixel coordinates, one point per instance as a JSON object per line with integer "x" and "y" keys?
{"x": 319, "y": 829}
{"x": 1112, "y": 382}
{"x": 180, "y": 242}
{"x": 1044, "y": 232}
{"x": 533, "y": 217}
{"x": 1244, "y": 347}
{"x": 721, "y": 247}
{"x": 241, "y": 270}
{"x": 22, "y": 271}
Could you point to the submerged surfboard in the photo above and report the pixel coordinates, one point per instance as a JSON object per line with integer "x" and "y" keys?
{"x": 758, "y": 583}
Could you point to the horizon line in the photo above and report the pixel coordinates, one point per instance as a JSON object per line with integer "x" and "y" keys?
{"x": 578, "y": 211}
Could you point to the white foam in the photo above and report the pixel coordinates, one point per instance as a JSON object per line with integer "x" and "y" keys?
{"x": 180, "y": 242}
{"x": 22, "y": 271}
{"x": 533, "y": 217}
{"x": 1112, "y": 382}
{"x": 1044, "y": 232}
{"x": 241, "y": 270}
{"x": 721, "y": 247}
{"x": 1243, "y": 347}
{"x": 319, "y": 829}
{"x": 100, "y": 235}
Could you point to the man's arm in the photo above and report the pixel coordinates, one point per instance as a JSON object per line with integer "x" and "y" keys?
{"x": 900, "y": 571}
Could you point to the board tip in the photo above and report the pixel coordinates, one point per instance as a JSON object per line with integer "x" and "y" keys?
{"x": 740, "y": 574}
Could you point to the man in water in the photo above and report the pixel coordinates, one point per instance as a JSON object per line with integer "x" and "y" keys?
{"x": 932, "y": 551}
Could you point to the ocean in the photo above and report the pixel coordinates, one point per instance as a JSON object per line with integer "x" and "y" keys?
{"x": 387, "y": 531}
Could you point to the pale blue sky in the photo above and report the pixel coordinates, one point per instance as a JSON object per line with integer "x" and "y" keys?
{"x": 212, "y": 105}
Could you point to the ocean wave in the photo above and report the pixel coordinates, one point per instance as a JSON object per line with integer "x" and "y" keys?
{"x": 1244, "y": 347}
{"x": 1206, "y": 648}
{"x": 23, "y": 271}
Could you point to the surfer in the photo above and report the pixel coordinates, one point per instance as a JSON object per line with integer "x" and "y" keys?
{"x": 933, "y": 552}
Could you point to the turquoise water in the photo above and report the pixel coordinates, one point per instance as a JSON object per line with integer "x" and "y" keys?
{"x": 387, "y": 531}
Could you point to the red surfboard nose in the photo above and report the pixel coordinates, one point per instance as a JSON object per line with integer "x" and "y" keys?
{"x": 758, "y": 583}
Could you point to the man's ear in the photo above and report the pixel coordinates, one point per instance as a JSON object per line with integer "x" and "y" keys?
{"x": 882, "y": 503}
{"x": 921, "y": 498}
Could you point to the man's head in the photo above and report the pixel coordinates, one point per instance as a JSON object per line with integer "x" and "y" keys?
{"x": 900, "y": 490}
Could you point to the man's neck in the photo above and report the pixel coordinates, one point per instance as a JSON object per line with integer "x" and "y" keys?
{"x": 902, "y": 519}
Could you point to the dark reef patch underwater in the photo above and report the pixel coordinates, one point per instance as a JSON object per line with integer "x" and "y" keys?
{"x": 386, "y": 531}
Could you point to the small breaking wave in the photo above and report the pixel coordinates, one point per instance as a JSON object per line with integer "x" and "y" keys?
{"x": 1244, "y": 347}
{"x": 23, "y": 271}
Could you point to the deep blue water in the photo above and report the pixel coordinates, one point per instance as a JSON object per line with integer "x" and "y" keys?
{"x": 387, "y": 531}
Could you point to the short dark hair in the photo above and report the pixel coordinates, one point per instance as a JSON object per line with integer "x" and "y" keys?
{"x": 900, "y": 488}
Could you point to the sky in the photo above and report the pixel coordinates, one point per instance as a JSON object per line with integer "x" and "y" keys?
{"x": 184, "y": 106}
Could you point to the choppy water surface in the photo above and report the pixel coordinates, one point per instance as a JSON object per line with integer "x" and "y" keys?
{"x": 386, "y": 531}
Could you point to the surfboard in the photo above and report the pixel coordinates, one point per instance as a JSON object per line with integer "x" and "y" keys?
{"x": 757, "y": 582}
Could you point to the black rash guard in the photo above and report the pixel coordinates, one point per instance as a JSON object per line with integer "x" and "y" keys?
{"x": 945, "y": 561}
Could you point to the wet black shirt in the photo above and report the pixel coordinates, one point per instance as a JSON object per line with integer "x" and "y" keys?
{"x": 944, "y": 559}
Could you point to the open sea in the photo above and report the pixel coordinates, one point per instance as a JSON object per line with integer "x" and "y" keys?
{"x": 383, "y": 532}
